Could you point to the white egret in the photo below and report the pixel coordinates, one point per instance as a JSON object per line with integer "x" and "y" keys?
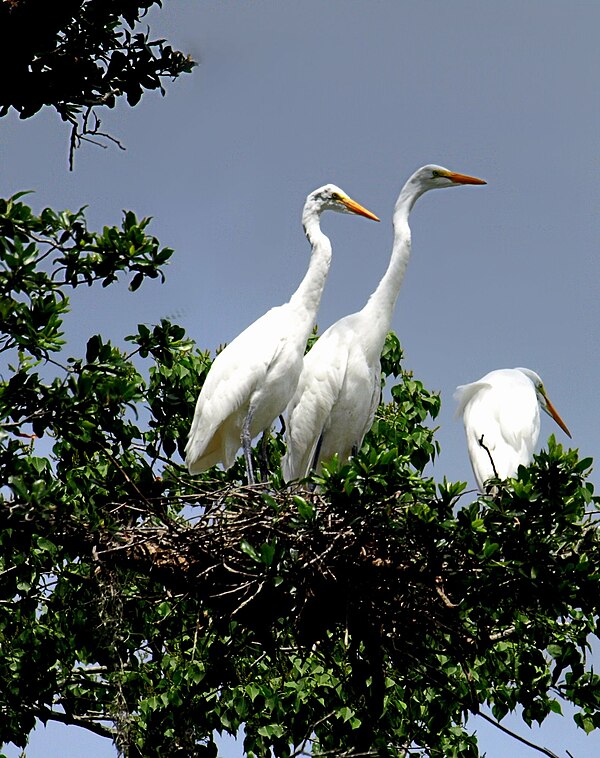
{"x": 340, "y": 384}
{"x": 253, "y": 379}
{"x": 501, "y": 415}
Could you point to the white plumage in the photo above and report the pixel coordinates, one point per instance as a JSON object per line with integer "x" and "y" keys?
{"x": 501, "y": 416}
{"x": 253, "y": 379}
{"x": 340, "y": 384}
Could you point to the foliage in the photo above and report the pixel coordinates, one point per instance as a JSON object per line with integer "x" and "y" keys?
{"x": 76, "y": 55}
{"x": 375, "y": 613}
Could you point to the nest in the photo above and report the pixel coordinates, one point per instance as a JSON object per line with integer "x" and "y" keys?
{"x": 265, "y": 559}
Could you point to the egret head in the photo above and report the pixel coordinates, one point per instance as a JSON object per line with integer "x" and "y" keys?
{"x": 543, "y": 399}
{"x": 332, "y": 198}
{"x": 437, "y": 177}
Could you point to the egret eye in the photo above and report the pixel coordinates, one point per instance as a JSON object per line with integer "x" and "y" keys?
{"x": 335, "y": 196}
{"x": 435, "y": 173}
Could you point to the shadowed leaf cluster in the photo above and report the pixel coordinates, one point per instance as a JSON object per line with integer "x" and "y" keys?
{"x": 76, "y": 55}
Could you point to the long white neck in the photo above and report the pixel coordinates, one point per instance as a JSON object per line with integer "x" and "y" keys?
{"x": 380, "y": 306}
{"x": 307, "y": 297}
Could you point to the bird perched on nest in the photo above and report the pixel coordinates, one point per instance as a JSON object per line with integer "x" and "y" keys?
{"x": 501, "y": 416}
{"x": 340, "y": 385}
{"x": 253, "y": 379}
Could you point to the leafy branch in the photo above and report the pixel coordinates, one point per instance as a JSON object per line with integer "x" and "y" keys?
{"x": 79, "y": 56}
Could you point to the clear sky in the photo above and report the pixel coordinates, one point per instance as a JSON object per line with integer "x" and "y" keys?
{"x": 291, "y": 95}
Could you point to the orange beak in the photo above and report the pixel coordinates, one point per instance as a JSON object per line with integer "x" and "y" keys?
{"x": 355, "y": 207}
{"x": 464, "y": 178}
{"x": 552, "y": 412}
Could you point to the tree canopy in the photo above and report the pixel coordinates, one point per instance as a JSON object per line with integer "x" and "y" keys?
{"x": 76, "y": 56}
{"x": 377, "y": 613}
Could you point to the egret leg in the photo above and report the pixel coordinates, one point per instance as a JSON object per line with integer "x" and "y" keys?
{"x": 315, "y": 460}
{"x": 262, "y": 456}
{"x": 247, "y": 445}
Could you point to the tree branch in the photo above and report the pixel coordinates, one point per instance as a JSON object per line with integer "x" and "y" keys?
{"x": 83, "y": 721}
{"x": 518, "y": 737}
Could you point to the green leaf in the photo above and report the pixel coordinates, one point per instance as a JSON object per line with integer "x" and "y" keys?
{"x": 490, "y": 548}
{"x": 267, "y": 553}
{"x": 45, "y": 544}
{"x": 247, "y": 548}
{"x": 305, "y": 509}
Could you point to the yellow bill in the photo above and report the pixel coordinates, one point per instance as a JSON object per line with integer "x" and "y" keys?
{"x": 551, "y": 410}
{"x": 464, "y": 178}
{"x": 355, "y": 207}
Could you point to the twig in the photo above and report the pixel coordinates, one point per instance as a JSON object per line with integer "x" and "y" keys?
{"x": 248, "y": 599}
{"x": 300, "y": 750}
{"x": 439, "y": 586}
{"x": 125, "y": 546}
{"x": 234, "y": 590}
{"x": 77, "y": 137}
{"x": 508, "y": 632}
{"x": 518, "y": 737}
{"x": 126, "y": 476}
{"x": 487, "y": 450}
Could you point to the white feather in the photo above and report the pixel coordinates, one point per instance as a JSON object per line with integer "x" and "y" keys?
{"x": 340, "y": 385}
{"x": 253, "y": 379}
{"x": 501, "y": 416}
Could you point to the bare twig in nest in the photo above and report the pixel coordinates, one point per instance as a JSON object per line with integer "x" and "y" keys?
{"x": 439, "y": 586}
{"x": 248, "y": 599}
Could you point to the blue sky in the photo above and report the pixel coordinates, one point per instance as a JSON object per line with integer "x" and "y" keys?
{"x": 289, "y": 96}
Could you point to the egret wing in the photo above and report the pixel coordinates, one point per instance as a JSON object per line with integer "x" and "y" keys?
{"x": 319, "y": 386}
{"x": 501, "y": 420}
{"x": 235, "y": 374}
{"x": 358, "y": 398}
